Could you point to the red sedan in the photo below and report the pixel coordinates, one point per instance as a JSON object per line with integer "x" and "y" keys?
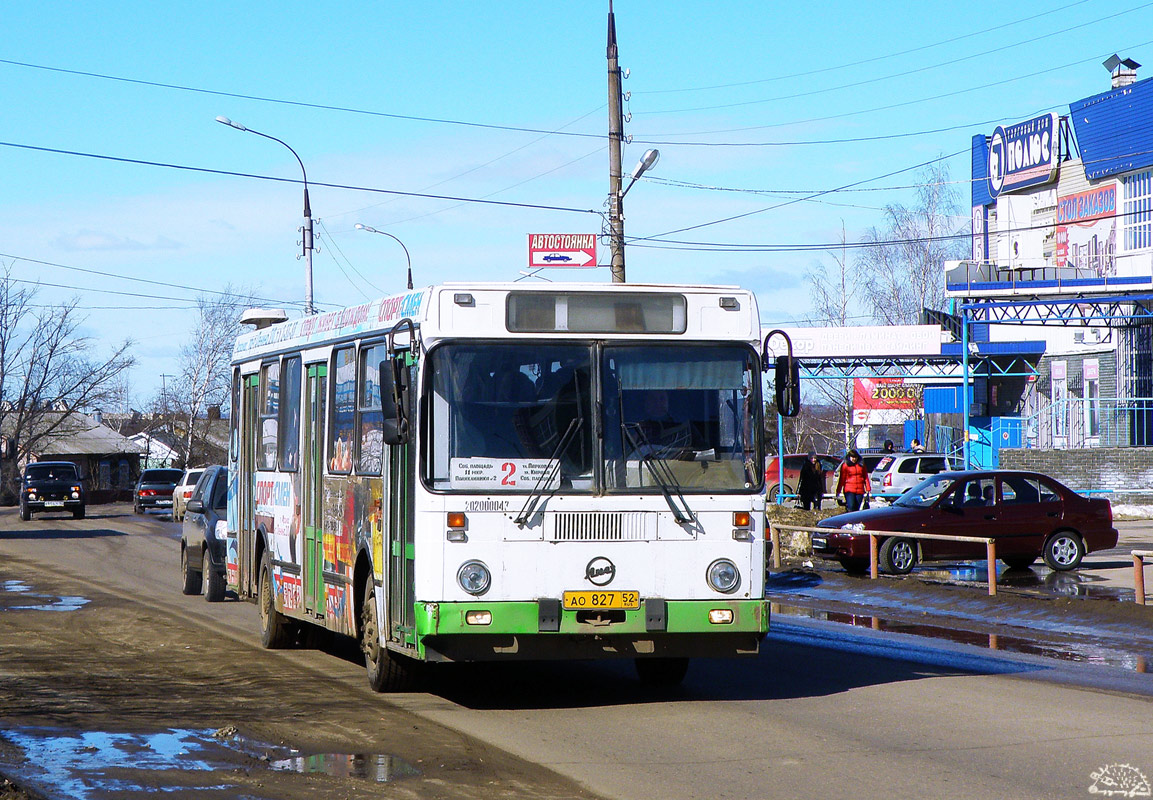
{"x": 1027, "y": 513}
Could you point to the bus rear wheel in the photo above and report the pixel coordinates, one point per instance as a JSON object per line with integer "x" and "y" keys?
{"x": 275, "y": 630}
{"x": 387, "y": 672}
{"x": 662, "y": 672}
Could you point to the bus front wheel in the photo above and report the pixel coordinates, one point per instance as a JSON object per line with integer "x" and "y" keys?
{"x": 275, "y": 632}
{"x": 387, "y": 672}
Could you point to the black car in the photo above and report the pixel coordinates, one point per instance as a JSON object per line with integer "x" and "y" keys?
{"x": 202, "y": 537}
{"x": 154, "y": 489}
{"x": 51, "y": 486}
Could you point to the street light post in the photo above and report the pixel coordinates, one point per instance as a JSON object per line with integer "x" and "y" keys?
{"x": 360, "y": 227}
{"x": 306, "y": 239}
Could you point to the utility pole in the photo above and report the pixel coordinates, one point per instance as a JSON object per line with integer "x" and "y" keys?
{"x": 616, "y": 133}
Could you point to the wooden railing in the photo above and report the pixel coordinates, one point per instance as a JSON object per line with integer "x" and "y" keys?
{"x": 875, "y": 536}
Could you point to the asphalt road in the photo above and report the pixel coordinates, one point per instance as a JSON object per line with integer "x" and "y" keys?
{"x": 822, "y": 712}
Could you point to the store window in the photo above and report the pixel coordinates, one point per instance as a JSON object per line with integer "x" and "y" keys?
{"x": 1137, "y": 207}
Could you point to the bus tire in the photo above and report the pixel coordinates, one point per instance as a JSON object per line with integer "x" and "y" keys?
{"x": 662, "y": 673}
{"x": 213, "y": 580}
{"x": 275, "y": 630}
{"x": 387, "y": 672}
{"x": 192, "y": 579}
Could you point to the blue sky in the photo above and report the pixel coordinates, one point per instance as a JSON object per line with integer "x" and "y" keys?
{"x": 417, "y": 98}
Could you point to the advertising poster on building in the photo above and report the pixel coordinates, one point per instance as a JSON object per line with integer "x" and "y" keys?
{"x": 1087, "y": 231}
{"x": 885, "y": 401}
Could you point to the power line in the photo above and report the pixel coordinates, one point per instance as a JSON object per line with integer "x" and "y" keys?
{"x": 903, "y": 73}
{"x": 348, "y": 187}
{"x": 874, "y": 59}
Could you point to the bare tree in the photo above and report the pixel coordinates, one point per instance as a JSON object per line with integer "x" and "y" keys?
{"x": 834, "y": 294}
{"x": 203, "y": 380}
{"x": 902, "y": 266}
{"x": 48, "y": 371}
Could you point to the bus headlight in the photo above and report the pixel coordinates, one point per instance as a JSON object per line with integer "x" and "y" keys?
{"x": 724, "y": 576}
{"x": 474, "y": 577}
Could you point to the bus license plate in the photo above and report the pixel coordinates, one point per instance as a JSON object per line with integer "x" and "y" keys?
{"x": 617, "y": 599}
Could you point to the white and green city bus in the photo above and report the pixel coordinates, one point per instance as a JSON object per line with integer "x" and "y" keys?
{"x": 483, "y": 472}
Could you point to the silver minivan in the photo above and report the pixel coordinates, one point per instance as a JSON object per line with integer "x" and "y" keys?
{"x": 899, "y": 472}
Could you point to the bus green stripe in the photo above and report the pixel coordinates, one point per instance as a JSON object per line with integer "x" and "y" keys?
{"x": 683, "y": 616}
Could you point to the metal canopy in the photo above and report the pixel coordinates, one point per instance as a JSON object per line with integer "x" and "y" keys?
{"x": 1079, "y": 311}
{"x": 944, "y": 367}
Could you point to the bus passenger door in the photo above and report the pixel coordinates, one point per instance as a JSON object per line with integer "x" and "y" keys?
{"x": 246, "y": 533}
{"x": 401, "y": 551}
{"x": 313, "y": 489}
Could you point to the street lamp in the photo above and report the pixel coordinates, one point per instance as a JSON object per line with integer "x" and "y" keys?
{"x": 309, "y": 307}
{"x": 360, "y": 227}
{"x": 617, "y": 214}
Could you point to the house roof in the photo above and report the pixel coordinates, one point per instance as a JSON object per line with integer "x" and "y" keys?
{"x": 75, "y": 434}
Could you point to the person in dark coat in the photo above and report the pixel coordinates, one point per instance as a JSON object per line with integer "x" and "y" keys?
{"x": 811, "y": 485}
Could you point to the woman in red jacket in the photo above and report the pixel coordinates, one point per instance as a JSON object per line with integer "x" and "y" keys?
{"x": 854, "y": 481}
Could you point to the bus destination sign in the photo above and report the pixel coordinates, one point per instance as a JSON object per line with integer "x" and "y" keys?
{"x": 562, "y": 250}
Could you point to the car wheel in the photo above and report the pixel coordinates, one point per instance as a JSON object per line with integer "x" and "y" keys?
{"x": 136, "y": 509}
{"x": 897, "y": 556}
{"x": 855, "y": 566}
{"x": 78, "y": 513}
{"x": 662, "y": 672}
{"x": 213, "y": 580}
{"x": 192, "y": 578}
{"x": 1018, "y": 562}
{"x": 387, "y": 671}
{"x": 275, "y": 628}
{"x": 1064, "y": 550}
{"x": 771, "y": 495}
{"x": 25, "y": 512}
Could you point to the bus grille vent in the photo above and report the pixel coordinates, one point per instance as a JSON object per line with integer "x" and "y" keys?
{"x": 600, "y": 527}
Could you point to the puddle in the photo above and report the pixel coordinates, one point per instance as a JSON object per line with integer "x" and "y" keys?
{"x": 1081, "y": 652}
{"x": 18, "y": 596}
{"x": 378, "y": 768}
{"x": 98, "y": 765}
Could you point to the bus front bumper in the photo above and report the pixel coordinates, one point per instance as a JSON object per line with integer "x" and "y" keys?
{"x": 477, "y": 631}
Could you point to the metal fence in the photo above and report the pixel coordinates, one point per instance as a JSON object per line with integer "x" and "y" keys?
{"x": 1079, "y": 422}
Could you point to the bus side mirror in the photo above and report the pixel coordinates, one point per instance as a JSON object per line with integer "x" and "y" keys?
{"x": 394, "y": 401}
{"x": 788, "y": 386}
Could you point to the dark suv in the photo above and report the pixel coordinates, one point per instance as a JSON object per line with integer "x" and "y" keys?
{"x": 202, "y": 539}
{"x": 154, "y": 489}
{"x": 51, "y": 486}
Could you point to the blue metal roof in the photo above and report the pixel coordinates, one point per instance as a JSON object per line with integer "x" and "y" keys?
{"x": 1115, "y": 130}
{"x": 981, "y": 196}
{"x": 997, "y": 348}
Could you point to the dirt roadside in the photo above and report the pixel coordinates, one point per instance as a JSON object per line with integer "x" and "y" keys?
{"x": 116, "y": 667}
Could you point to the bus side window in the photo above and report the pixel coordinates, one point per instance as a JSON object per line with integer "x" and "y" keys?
{"x": 290, "y": 415}
{"x": 343, "y": 410}
{"x": 370, "y": 443}
{"x": 269, "y": 413}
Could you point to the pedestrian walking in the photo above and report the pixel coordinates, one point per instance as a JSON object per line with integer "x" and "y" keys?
{"x": 854, "y": 481}
{"x": 811, "y": 485}
{"x": 889, "y": 447}
{"x": 916, "y": 447}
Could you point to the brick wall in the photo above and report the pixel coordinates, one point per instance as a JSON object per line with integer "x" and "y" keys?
{"x": 1117, "y": 469}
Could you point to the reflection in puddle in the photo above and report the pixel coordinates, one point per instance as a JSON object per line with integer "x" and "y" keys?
{"x": 94, "y": 765}
{"x": 18, "y": 596}
{"x": 1036, "y": 579}
{"x": 1082, "y": 652}
{"x": 374, "y": 767}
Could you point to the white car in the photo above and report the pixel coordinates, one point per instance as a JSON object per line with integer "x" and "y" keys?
{"x": 898, "y": 472}
{"x": 183, "y": 491}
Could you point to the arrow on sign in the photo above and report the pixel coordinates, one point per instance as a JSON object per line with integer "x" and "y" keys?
{"x": 562, "y": 258}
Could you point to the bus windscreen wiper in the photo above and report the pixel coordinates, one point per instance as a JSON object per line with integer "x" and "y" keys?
{"x": 659, "y": 469}
{"x": 551, "y": 472}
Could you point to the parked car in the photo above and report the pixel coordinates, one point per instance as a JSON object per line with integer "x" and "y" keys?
{"x": 51, "y": 486}
{"x": 183, "y": 491}
{"x": 154, "y": 489}
{"x": 202, "y": 535}
{"x": 896, "y": 473}
{"x": 793, "y": 464}
{"x": 1027, "y": 513}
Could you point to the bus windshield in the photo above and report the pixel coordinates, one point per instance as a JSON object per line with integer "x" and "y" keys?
{"x": 678, "y": 417}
